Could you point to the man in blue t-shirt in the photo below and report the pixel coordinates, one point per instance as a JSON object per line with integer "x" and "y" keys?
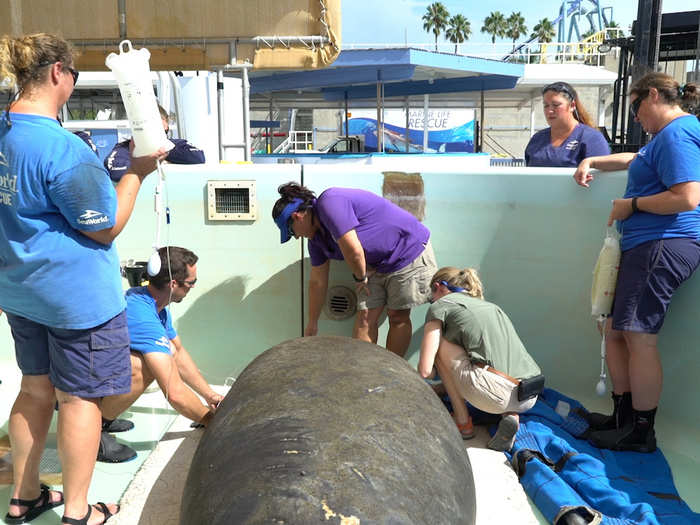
{"x": 157, "y": 352}
{"x": 117, "y": 162}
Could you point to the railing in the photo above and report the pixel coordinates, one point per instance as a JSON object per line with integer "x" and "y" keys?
{"x": 296, "y": 142}
{"x": 585, "y": 51}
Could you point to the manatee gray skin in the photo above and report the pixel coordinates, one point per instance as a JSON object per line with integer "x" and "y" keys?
{"x": 330, "y": 430}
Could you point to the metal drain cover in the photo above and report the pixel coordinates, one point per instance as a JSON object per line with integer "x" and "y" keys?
{"x": 341, "y": 303}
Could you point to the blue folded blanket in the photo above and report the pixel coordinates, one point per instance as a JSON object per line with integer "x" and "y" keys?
{"x": 562, "y": 473}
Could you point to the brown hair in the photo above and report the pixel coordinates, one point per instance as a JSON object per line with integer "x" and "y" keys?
{"x": 669, "y": 90}
{"x": 568, "y": 91}
{"x": 690, "y": 101}
{"x": 466, "y": 278}
{"x": 175, "y": 268}
{"x": 289, "y": 192}
{"x": 23, "y": 59}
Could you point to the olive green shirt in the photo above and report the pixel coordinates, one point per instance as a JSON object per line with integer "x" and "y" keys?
{"x": 485, "y": 332}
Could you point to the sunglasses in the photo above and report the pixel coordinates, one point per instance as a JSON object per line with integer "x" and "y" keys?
{"x": 189, "y": 284}
{"x": 634, "y": 105}
{"x": 290, "y": 229}
{"x": 74, "y": 73}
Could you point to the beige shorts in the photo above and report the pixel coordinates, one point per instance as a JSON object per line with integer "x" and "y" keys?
{"x": 487, "y": 391}
{"x": 403, "y": 289}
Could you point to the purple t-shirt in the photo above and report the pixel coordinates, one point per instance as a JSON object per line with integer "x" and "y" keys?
{"x": 583, "y": 142}
{"x": 391, "y": 237}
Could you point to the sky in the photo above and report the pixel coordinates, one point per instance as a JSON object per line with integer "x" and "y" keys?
{"x": 398, "y": 21}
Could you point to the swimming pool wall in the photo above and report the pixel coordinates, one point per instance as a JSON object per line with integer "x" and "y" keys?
{"x": 533, "y": 234}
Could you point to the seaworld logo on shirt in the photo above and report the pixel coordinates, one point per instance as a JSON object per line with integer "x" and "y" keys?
{"x": 163, "y": 341}
{"x": 92, "y": 217}
{"x": 572, "y": 145}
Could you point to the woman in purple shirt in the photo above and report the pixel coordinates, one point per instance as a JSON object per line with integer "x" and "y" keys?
{"x": 570, "y": 137}
{"x": 387, "y": 249}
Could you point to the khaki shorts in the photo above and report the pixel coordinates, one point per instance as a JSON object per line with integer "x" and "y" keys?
{"x": 403, "y": 289}
{"x": 487, "y": 391}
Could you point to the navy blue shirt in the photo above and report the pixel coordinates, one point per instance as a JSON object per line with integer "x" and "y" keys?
{"x": 119, "y": 159}
{"x": 583, "y": 142}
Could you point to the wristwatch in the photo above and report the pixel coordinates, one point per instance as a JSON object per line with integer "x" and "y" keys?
{"x": 361, "y": 279}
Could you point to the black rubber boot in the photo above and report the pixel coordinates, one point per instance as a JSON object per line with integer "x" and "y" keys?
{"x": 113, "y": 452}
{"x": 621, "y": 416}
{"x": 636, "y": 436}
{"x": 116, "y": 425}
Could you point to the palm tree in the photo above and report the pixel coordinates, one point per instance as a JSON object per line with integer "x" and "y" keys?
{"x": 543, "y": 32}
{"x": 494, "y": 25}
{"x": 613, "y": 25}
{"x": 460, "y": 30}
{"x": 435, "y": 20}
{"x": 515, "y": 26}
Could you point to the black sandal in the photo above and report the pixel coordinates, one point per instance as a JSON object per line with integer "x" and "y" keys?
{"x": 83, "y": 521}
{"x": 37, "y": 506}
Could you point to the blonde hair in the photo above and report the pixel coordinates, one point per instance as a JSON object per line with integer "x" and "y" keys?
{"x": 23, "y": 59}
{"x": 466, "y": 278}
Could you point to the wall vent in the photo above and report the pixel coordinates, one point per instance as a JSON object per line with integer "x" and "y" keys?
{"x": 231, "y": 200}
{"x": 341, "y": 303}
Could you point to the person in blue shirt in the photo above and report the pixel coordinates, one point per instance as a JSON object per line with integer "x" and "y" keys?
{"x": 660, "y": 224}
{"x": 117, "y": 162}
{"x": 59, "y": 276}
{"x": 570, "y": 137}
{"x": 157, "y": 352}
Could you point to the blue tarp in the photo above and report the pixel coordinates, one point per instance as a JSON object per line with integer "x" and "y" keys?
{"x": 560, "y": 471}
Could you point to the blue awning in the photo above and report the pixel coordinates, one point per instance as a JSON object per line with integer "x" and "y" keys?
{"x": 403, "y": 71}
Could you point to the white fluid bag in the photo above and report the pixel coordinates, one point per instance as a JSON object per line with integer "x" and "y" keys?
{"x": 133, "y": 73}
{"x": 605, "y": 276}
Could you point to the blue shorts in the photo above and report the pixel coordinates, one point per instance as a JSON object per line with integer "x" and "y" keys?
{"x": 94, "y": 362}
{"x": 648, "y": 276}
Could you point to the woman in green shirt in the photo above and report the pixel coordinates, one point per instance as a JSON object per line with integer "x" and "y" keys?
{"x": 477, "y": 353}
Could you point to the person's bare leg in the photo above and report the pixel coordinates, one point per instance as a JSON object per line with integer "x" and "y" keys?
{"x": 29, "y": 423}
{"x": 141, "y": 377}
{"x": 367, "y": 324}
{"x": 617, "y": 357}
{"x": 400, "y": 331}
{"x": 645, "y": 372}
{"x": 79, "y": 427}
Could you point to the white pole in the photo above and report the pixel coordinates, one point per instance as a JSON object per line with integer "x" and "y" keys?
{"x": 426, "y": 98}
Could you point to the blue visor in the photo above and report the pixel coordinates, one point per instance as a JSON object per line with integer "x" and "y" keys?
{"x": 283, "y": 222}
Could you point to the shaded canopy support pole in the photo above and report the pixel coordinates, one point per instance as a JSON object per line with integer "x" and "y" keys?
{"x": 483, "y": 122}
{"x": 406, "y": 139}
{"x": 426, "y": 107}
{"x": 380, "y": 114}
{"x": 346, "y": 116}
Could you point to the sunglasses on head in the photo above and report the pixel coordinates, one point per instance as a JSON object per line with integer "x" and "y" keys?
{"x": 560, "y": 87}
{"x": 448, "y": 286}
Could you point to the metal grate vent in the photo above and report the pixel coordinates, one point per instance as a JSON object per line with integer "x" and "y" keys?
{"x": 231, "y": 200}
{"x": 341, "y": 303}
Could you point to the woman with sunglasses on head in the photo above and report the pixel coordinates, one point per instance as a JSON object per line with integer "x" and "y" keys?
{"x": 477, "y": 353}
{"x": 60, "y": 280}
{"x": 571, "y": 136}
{"x": 659, "y": 221}
{"x": 387, "y": 249}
